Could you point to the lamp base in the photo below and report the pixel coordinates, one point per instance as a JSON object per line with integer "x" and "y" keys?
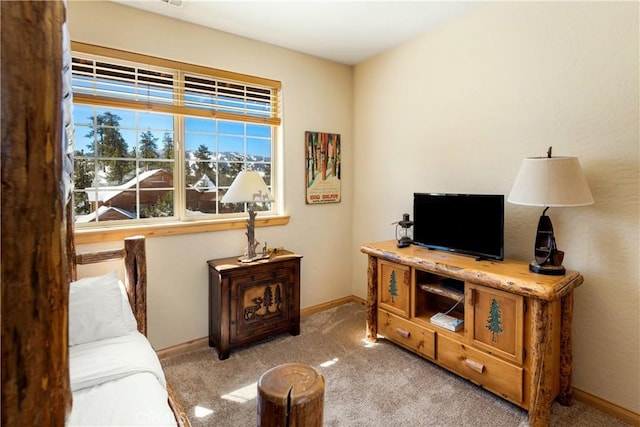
{"x": 403, "y": 242}
{"x": 548, "y": 269}
{"x": 255, "y": 258}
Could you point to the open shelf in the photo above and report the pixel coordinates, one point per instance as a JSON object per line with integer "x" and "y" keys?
{"x": 428, "y": 304}
{"x": 438, "y": 294}
{"x": 424, "y": 319}
{"x": 438, "y": 289}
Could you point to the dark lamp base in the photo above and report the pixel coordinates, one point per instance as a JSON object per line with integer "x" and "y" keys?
{"x": 548, "y": 269}
{"x": 403, "y": 242}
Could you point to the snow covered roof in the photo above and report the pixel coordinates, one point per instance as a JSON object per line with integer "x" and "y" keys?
{"x": 204, "y": 183}
{"x": 101, "y": 211}
{"x": 105, "y": 193}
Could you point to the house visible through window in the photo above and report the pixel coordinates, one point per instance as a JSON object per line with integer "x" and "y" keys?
{"x": 161, "y": 140}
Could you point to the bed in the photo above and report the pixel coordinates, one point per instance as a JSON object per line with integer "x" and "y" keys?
{"x": 115, "y": 376}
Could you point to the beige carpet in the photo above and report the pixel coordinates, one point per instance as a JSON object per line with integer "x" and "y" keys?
{"x": 366, "y": 385}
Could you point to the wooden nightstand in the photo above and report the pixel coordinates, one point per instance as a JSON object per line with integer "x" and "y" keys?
{"x": 249, "y": 302}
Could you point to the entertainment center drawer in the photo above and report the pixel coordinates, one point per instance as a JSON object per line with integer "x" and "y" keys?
{"x": 494, "y": 374}
{"x": 407, "y": 334}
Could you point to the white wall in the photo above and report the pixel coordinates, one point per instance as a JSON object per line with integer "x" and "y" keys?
{"x": 457, "y": 109}
{"x": 317, "y": 96}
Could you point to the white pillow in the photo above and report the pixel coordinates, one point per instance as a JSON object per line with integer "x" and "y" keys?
{"x": 95, "y": 309}
{"x": 130, "y": 322}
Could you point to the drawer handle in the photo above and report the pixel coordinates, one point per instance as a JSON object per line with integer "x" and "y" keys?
{"x": 476, "y": 366}
{"x": 403, "y": 333}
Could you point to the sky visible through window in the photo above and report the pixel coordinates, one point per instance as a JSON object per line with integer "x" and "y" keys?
{"x": 228, "y": 137}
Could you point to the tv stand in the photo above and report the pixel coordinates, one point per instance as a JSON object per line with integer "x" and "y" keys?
{"x": 516, "y": 335}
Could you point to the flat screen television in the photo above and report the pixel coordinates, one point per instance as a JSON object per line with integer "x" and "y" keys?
{"x": 470, "y": 224}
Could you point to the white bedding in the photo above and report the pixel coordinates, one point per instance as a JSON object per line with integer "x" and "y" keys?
{"x": 118, "y": 382}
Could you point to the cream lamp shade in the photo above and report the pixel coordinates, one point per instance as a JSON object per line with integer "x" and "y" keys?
{"x": 248, "y": 187}
{"x": 550, "y": 182}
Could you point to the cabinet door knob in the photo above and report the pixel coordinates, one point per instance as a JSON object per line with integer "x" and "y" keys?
{"x": 476, "y": 366}
{"x": 403, "y": 333}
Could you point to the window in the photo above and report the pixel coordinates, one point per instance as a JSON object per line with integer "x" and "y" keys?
{"x": 159, "y": 140}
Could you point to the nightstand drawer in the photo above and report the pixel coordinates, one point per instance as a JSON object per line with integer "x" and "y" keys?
{"x": 407, "y": 334}
{"x": 494, "y": 374}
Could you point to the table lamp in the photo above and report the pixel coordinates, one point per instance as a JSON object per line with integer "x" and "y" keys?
{"x": 249, "y": 187}
{"x": 549, "y": 182}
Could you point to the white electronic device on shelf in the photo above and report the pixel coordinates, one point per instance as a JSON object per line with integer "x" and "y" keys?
{"x": 447, "y": 322}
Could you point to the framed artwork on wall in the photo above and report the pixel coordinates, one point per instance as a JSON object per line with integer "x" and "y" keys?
{"x": 322, "y": 167}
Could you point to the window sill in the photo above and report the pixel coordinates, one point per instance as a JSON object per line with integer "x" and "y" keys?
{"x": 108, "y": 234}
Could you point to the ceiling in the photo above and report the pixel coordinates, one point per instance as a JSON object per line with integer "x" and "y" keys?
{"x": 344, "y": 31}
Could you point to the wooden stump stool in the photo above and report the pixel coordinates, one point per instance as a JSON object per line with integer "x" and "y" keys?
{"x": 290, "y": 395}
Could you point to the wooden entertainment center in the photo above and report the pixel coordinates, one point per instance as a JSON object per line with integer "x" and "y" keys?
{"x": 516, "y": 337}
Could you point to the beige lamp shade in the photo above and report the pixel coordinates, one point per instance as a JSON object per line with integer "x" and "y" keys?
{"x": 551, "y": 182}
{"x": 248, "y": 187}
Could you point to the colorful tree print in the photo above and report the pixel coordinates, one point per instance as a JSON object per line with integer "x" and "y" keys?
{"x": 494, "y": 322}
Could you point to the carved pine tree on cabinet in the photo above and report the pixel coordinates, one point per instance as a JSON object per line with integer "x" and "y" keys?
{"x": 394, "y": 288}
{"x": 494, "y": 322}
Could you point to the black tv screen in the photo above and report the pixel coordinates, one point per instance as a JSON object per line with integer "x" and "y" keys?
{"x": 470, "y": 224}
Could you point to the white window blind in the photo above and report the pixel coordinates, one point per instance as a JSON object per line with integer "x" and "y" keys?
{"x": 167, "y": 86}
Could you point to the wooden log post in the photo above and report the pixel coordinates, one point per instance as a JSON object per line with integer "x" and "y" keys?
{"x": 566, "y": 350}
{"x": 541, "y": 374}
{"x": 136, "y": 278}
{"x": 35, "y": 268}
{"x": 291, "y": 395}
{"x": 372, "y": 299}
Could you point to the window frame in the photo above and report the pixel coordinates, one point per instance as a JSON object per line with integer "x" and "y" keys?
{"x": 181, "y": 223}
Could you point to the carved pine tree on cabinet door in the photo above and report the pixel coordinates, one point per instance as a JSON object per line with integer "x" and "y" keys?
{"x": 494, "y": 322}
{"x": 393, "y": 287}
